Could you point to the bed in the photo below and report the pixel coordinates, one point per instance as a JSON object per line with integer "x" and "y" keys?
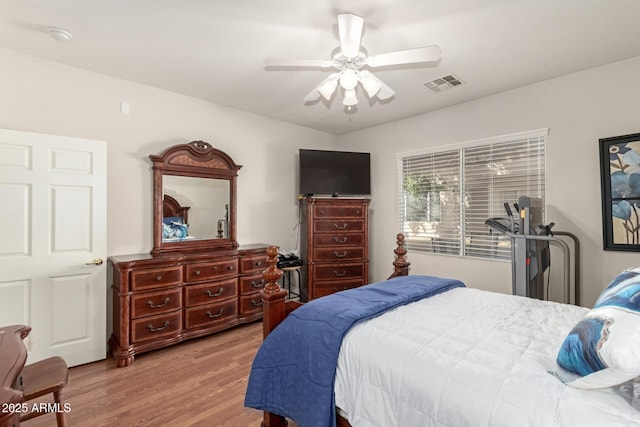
{"x": 425, "y": 351}
{"x": 175, "y": 219}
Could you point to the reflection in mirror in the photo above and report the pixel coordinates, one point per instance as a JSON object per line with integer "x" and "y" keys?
{"x": 207, "y": 201}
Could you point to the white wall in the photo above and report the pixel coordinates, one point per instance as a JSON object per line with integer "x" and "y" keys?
{"x": 578, "y": 109}
{"x": 41, "y": 96}
{"x": 45, "y": 97}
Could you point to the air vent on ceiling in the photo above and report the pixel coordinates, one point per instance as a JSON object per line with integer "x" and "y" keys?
{"x": 444, "y": 83}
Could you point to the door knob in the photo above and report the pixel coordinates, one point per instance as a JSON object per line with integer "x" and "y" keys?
{"x": 96, "y": 261}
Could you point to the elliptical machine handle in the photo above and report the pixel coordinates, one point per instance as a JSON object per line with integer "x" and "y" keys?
{"x": 510, "y": 215}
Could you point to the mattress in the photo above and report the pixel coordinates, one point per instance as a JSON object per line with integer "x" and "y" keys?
{"x": 468, "y": 358}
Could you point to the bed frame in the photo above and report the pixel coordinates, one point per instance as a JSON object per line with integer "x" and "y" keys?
{"x": 275, "y": 308}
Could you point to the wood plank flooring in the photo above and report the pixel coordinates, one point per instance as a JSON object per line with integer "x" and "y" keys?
{"x": 196, "y": 383}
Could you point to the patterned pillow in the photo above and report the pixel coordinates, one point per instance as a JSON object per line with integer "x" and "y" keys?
{"x": 169, "y": 219}
{"x": 174, "y": 229}
{"x": 603, "y": 349}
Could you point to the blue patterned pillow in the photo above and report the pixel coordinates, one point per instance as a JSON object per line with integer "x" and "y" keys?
{"x": 603, "y": 349}
{"x": 174, "y": 229}
{"x": 169, "y": 219}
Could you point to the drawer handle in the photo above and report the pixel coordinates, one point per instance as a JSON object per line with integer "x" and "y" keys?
{"x": 321, "y": 211}
{"x": 344, "y": 240}
{"x": 344, "y": 226}
{"x": 342, "y": 255}
{"x": 217, "y": 294}
{"x": 340, "y": 274}
{"x": 231, "y": 268}
{"x": 161, "y": 328}
{"x": 258, "y": 264}
{"x": 158, "y": 278}
{"x": 197, "y": 272}
{"x": 257, "y": 285}
{"x": 215, "y": 316}
{"x": 152, "y": 305}
{"x": 256, "y": 304}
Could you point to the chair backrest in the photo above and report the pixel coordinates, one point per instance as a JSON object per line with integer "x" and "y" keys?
{"x": 13, "y": 355}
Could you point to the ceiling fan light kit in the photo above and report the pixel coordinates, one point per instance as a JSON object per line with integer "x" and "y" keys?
{"x": 327, "y": 88}
{"x": 350, "y": 62}
{"x": 350, "y": 98}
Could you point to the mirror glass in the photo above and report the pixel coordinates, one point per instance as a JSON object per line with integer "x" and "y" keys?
{"x": 208, "y": 201}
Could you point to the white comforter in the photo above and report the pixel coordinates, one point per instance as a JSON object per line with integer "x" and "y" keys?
{"x": 468, "y": 358}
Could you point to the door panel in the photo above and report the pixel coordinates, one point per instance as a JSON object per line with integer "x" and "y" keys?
{"x": 14, "y": 302}
{"x": 15, "y": 232}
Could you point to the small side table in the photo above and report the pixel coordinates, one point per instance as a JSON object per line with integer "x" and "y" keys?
{"x": 286, "y": 280}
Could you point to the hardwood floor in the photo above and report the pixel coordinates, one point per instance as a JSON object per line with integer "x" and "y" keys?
{"x": 196, "y": 383}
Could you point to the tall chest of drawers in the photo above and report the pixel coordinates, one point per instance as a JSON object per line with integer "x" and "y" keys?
{"x": 162, "y": 300}
{"x": 335, "y": 245}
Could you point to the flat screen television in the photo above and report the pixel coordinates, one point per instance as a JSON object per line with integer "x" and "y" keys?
{"x": 339, "y": 173}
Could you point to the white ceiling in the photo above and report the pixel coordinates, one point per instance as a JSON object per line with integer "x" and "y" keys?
{"x": 214, "y": 49}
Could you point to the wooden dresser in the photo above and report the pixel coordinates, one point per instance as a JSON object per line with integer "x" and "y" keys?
{"x": 160, "y": 300}
{"x": 335, "y": 245}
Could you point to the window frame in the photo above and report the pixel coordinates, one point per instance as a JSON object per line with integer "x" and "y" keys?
{"x": 493, "y": 246}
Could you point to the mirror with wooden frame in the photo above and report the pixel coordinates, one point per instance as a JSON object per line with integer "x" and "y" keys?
{"x": 194, "y": 199}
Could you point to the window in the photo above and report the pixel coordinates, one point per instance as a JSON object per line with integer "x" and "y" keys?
{"x": 446, "y": 195}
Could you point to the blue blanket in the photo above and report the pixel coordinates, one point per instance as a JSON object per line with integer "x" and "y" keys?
{"x": 294, "y": 370}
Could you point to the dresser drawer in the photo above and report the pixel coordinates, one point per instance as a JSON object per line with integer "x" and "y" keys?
{"x": 338, "y": 271}
{"x": 156, "y": 278}
{"x": 211, "y": 314}
{"x": 326, "y": 226}
{"x": 210, "y": 270}
{"x": 253, "y": 264}
{"x": 321, "y": 211}
{"x": 327, "y": 288}
{"x": 152, "y": 303}
{"x": 250, "y": 304}
{"x": 338, "y": 254}
{"x": 251, "y": 284}
{"x": 208, "y": 293}
{"x": 153, "y": 327}
{"x": 338, "y": 239}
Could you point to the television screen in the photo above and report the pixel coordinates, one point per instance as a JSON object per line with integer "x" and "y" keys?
{"x": 334, "y": 172}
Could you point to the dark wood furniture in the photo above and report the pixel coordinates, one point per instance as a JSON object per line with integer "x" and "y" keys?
{"x": 194, "y": 287}
{"x": 335, "y": 245}
{"x": 20, "y": 384}
{"x": 48, "y": 376}
{"x": 204, "y": 164}
{"x": 276, "y": 308}
{"x": 163, "y": 300}
{"x": 13, "y": 355}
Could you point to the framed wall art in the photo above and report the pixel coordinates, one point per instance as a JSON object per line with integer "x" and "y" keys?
{"x": 620, "y": 179}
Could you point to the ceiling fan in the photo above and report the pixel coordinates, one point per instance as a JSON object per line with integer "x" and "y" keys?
{"x": 352, "y": 63}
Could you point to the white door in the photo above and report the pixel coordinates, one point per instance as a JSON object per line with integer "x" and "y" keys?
{"x": 52, "y": 241}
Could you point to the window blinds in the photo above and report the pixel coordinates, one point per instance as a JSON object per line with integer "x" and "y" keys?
{"x": 445, "y": 196}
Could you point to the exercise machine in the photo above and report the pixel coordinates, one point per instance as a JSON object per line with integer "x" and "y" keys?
{"x": 530, "y": 252}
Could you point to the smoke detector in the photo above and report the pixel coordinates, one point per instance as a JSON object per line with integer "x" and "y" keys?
{"x": 443, "y": 83}
{"x": 59, "y": 34}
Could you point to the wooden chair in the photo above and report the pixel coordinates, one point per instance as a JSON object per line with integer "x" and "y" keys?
{"x": 39, "y": 379}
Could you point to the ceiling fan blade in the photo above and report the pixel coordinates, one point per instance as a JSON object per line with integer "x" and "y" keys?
{"x": 325, "y": 89}
{"x": 314, "y": 63}
{"x": 382, "y": 91}
{"x": 409, "y": 56}
{"x": 350, "y": 29}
